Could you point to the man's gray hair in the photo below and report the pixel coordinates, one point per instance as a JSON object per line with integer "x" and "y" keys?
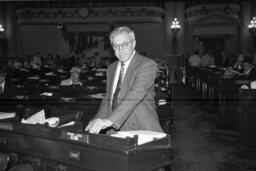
{"x": 119, "y": 30}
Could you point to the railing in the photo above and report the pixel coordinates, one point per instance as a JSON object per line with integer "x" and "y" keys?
{"x": 88, "y": 4}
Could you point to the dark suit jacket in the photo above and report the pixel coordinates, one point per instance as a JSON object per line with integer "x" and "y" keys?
{"x": 8, "y": 90}
{"x": 7, "y": 94}
{"x": 136, "y": 108}
{"x": 252, "y": 73}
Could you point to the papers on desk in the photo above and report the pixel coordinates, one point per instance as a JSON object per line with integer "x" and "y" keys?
{"x": 101, "y": 70}
{"x": 212, "y": 66}
{"x": 144, "y": 136}
{"x": 7, "y": 115}
{"x": 39, "y": 118}
{"x": 96, "y": 96}
{"x": 99, "y": 74}
{"x": 90, "y": 78}
{"x": 50, "y": 74}
{"x": 253, "y": 85}
{"x": 34, "y": 78}
{"x": 91, "y": 87}
{"x": 53, "y": 122}
{"x": 43, "y": 80}
{"x": 60, "y": 70}
{"x": 46, "y": 94}
{"x": 67, "y": 124}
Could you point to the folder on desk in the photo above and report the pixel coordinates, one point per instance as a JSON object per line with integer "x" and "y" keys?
{"x": 7, "y": 115}
{"x": 144, "y": 136}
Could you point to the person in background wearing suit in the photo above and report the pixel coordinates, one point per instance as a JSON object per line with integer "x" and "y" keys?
{"x": 249, "y": 70}
{"x": 6, "y": 88}
{"x": 129, "y": 101}
{"x": 74, "y": 78}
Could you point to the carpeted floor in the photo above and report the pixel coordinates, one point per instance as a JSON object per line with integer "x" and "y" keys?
{"x": 197, "y": 145}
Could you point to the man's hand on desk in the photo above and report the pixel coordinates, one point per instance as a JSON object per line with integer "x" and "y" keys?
{"x": 97, "y": 124}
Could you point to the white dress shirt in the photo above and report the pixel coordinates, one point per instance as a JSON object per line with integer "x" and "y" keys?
{"x": 126, "y": 64}
{"x": 2, "y": 85}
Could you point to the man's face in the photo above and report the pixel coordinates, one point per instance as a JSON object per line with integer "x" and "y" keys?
{"x": 2, "y": 78}
{"x": 75, "y": 76}
{"x": 246, "y": 66}
{"x": 123, "y": 46}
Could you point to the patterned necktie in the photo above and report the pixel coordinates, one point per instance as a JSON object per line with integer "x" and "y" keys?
{"x": 118, "y": 87}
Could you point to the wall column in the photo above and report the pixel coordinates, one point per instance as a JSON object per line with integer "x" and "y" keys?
{"x": 11, "y": 29}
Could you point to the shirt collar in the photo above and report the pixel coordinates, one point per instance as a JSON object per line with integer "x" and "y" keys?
{"x": 3, "y": 83}
{"x": 128, "y": 62}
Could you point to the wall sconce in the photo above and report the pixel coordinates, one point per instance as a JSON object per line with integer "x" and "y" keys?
{"x": 252, "y": 30}
{"x": 1, "y": 28}
{"x": 1, "y": 31}
{"x": 252, "y": 26}
{"x": 175, "y": 28}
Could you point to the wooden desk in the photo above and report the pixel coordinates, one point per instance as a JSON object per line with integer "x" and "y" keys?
{"x": 51, "y": 148}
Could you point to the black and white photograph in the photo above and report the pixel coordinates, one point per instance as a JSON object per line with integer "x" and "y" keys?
{"x": 127, "y": 85}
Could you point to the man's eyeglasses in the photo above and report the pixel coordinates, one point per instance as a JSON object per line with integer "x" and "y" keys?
{"x": 123, "y": 45}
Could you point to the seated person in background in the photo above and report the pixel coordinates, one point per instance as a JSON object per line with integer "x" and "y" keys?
{"x": 249, "y": 69}
{"x": 195, "y": 60}
{"x": 231, "y": 69}
{"x": 36, "y": 61}
{"x": 5, "y": 87}
{"x": 16, "y": 64}
{"x": 206, "y": 59}
{"x": 50, "y": 60}
{"x": 74, "y": 78}
{"x": 26, "y": 62}
{"x": 96, "y": 59}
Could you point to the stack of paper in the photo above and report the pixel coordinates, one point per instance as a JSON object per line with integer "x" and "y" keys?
{"x": 7, "y": 115}
{"x": 34, "y": 77}
{"x": 101, "y": 70}
{"x": 144, "y": 136}
{"x": 37, "y": 118}
{"x": 50, "y": 74}
{"x": 96, "y": 96}
{"x": 91, "y": 87}
{"x": 46, "y": 94}
{"x": 99, "y": 74}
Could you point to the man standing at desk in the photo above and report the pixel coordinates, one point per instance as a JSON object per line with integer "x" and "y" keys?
{"x": 129, "y": 101}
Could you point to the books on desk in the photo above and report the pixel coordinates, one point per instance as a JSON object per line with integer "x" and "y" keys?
{"x": 144, "y": 136}
{"x": 7, "y": 115}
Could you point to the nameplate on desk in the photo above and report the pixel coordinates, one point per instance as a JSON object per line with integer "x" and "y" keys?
{"x": 75, "y": 136}
{"x": 161, "y": 102}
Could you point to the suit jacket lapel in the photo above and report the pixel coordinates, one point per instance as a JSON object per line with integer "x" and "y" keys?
{"x": 129, "y": 75}
{"x": 112, "y": 74}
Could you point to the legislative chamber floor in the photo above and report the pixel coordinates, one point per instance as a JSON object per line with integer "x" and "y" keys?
{"x": 197, "y": 144}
